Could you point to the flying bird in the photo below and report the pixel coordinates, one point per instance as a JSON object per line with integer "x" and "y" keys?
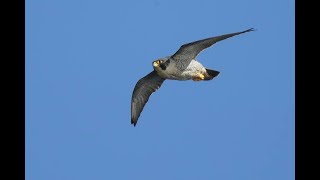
{"x": 180, "y": 66}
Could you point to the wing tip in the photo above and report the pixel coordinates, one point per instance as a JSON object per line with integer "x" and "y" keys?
{"x": 251, "y": 29}
{"x": 134, "y": 122}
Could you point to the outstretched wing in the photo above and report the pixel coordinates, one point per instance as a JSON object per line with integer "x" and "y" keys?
{"x": 141, "y": 93}
{"x": 191, "y": 50}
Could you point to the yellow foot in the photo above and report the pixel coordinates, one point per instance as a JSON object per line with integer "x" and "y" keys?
{"x": 200, "y": 77}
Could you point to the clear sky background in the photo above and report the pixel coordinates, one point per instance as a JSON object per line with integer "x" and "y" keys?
{"x": 83, "y": 59}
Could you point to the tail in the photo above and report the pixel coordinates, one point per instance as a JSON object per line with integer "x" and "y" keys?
{"x": 210, "y": 74}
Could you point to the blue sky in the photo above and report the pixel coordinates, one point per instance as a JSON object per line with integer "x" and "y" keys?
{"x": 83, "y": 59}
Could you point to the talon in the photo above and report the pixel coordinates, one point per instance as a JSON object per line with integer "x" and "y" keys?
{"x": 200, "y": 77}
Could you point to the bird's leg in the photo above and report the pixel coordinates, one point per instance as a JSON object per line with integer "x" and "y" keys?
{"x": 198, "y": 77}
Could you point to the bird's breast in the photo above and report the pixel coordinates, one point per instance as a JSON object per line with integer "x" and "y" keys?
{"x": 172, "y": 71}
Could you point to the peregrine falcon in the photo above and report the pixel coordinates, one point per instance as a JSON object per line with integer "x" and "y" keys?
{"x": 180, "y": 66}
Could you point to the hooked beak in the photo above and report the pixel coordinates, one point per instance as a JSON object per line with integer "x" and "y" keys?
{"x": 156, "y": 63}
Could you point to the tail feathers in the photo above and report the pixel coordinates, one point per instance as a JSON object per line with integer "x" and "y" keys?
{"x": 211, "y": 74}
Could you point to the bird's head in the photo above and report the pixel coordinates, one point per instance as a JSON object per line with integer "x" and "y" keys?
{"x": 161, "y": 64}
{"x": 157, "y": 63}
